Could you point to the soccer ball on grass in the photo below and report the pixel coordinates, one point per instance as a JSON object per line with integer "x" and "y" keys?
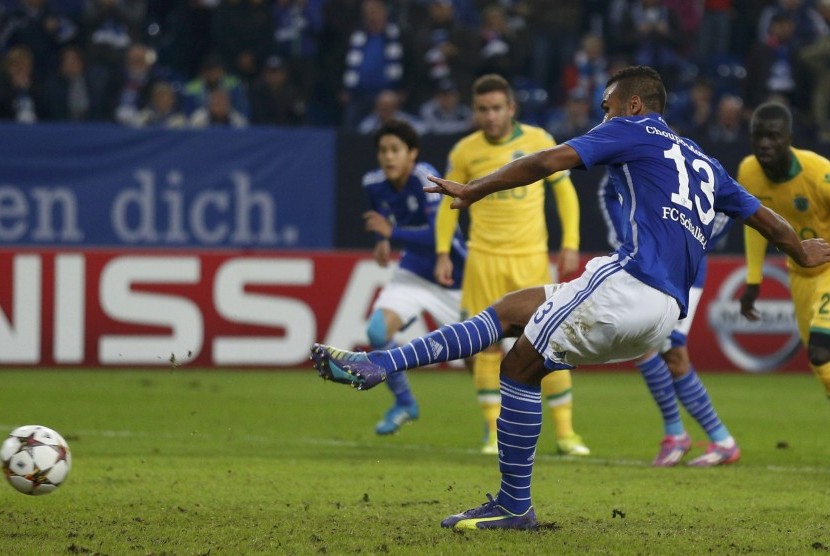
{"x": 35, "y": 459}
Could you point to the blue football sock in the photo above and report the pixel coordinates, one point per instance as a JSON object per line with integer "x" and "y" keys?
{"x": 695, "y": 399}
{"x": 519, "y": 425}
{"x": 450, "y": 342}
{"x": 398, "y": 383}
{"x": 659, "y": 381}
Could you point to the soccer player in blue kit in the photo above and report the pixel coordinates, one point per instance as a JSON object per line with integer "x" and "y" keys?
{"x": 401, "y": 211}
{"x": 668, "y": 371}
{"x": 623, "y": 305}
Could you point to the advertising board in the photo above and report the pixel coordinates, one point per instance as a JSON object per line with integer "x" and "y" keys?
{"x": 228, "y": 309}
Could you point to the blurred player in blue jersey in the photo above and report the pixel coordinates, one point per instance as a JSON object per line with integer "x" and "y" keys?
{"x": 668, "y": 370}
{"x": 624, "y": 304}
{"x": 401, "y": 212}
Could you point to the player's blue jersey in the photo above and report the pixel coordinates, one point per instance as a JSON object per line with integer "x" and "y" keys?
{"x": 610, "y": 204}
{"x": 669, "y": 193}
{"x": 722, "y": 225}
{"x": 412, "y": 213}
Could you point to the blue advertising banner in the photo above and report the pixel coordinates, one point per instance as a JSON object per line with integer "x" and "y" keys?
{"x": 105, "y": 185}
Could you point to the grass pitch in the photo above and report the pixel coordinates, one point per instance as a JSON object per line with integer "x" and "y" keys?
{"x": 191, "y": 462}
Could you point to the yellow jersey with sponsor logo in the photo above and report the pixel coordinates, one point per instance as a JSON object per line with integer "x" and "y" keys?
{"x": 508, "y": 222}
{"x": 803, "y": 199}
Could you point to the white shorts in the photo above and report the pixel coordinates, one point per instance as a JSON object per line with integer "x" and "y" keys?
{"x": 605, "y": 315}
{"x": 408, "y": 295}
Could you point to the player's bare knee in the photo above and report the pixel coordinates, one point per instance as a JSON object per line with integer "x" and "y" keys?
{"x": 516, "y": 308}
{"x": 505, "y": 313}
{"x": 677, "y": 360}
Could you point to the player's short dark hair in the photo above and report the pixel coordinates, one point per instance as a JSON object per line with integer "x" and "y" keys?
{"x": 402, "y": 130}
{"x": 491, "y": 83}
{"x": 772, "y": 111}
{"x": 643, "y": 82}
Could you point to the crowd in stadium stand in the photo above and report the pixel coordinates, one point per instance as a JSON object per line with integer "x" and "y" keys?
{"x": 354, "y": 63}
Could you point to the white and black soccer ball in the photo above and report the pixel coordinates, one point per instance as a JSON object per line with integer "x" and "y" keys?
{"x": 35, "y": 459}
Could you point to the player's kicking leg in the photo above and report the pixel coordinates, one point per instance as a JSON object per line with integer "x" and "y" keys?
{"x": 507, "y": 317}
{"x": 346, "y": 367}
{"x": 366, "y": 370}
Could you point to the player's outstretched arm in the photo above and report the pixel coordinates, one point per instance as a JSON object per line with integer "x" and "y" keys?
{"x": 522, "y": 171}
{"x": 806, "y": 253}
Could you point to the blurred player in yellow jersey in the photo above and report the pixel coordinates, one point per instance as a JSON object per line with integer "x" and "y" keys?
{"x": 508, "y": 243}
{"x": 796, "y": 184}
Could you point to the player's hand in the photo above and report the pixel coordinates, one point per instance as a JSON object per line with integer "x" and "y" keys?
{"x": 461, "y": 193}
{"x": 751, "y": 292}
{"x": 376, "y": 222}
{"x": 382, "y": 253}
{"x": 567, "y": 262}
{"x": 816, "y": 252}
{"x": 443, "y": 269}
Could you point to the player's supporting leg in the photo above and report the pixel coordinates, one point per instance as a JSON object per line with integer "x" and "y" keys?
{"x": 449, "y": 342}
{"x": 693, "y": 395}
{"x": 453, "y": 341}
{"x": 602, "y": 294}
{"x": 557, "y": 393}
{"x": 399, "y": 383}
{"x": 658, "y": 379}
{"x": 383, "y": 324}
{"x": 405, "y": 408}
{"x": 486, "y": 377}
{"x": 519, "y": 427}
